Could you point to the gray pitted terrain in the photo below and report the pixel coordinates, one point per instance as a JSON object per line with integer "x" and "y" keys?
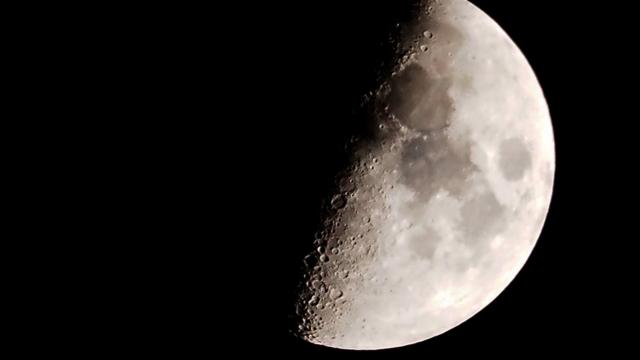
{"x": 437, "y": 214}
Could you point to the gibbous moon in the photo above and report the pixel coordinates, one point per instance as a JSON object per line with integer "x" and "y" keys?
{"x": 443, "y": 204}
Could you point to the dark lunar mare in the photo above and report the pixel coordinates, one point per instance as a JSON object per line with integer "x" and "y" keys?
{"x": 337, "y": 115}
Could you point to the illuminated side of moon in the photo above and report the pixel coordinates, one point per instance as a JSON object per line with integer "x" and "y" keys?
{"x": 439, "y": 212}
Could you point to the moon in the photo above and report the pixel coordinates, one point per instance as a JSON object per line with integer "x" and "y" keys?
{"x": 443, "y": 203}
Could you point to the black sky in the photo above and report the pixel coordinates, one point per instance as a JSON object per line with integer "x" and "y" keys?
{"x": 218, "y": 129}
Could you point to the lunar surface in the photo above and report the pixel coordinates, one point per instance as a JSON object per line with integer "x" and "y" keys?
{"x": 443, "y": 204}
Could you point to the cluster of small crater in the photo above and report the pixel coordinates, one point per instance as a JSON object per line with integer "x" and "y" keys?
{"x": 346, "y": 239}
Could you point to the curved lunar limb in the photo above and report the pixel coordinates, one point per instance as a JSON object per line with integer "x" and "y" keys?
{"x": 438, "y": 213}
